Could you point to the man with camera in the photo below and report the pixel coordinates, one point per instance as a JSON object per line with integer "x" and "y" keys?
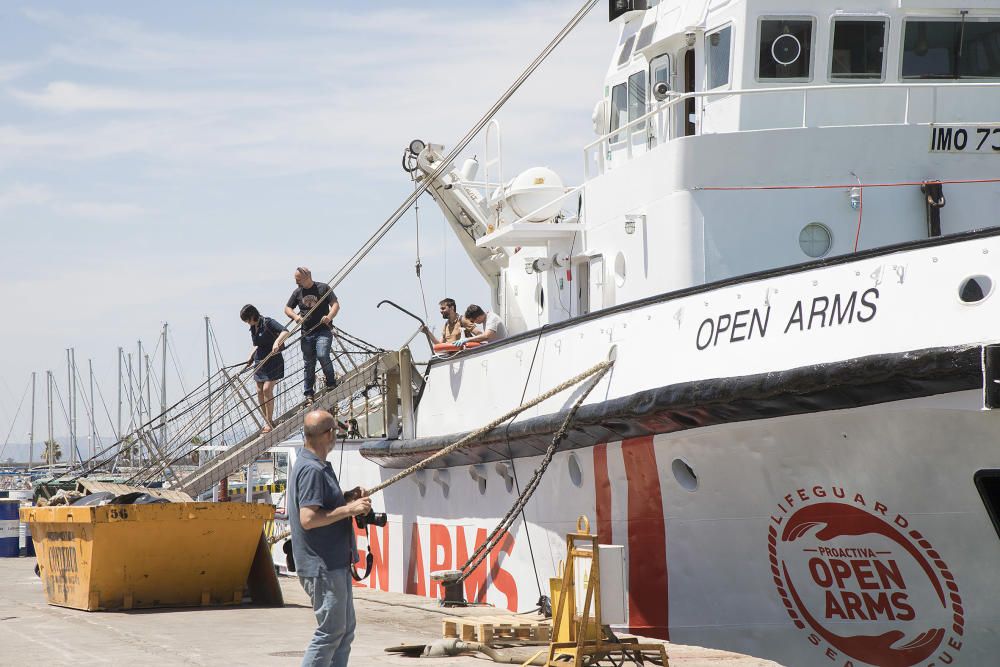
{"x": 323, "y": 541}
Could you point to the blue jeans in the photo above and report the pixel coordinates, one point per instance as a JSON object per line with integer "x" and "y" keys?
{"x": 333, "y": 603}
{"x": 317, "y": 346}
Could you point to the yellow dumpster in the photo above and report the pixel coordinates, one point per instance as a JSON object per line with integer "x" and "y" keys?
{"x": 134, "y": 556}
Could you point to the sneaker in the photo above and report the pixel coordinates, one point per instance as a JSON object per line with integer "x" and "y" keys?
{"x": 309, "y": 401}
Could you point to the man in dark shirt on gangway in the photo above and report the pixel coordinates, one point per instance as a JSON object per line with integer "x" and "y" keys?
{"x": 317, "y": 327}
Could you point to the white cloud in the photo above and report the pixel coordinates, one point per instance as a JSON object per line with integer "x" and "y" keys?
{"x": 102, "y": 211}
{"x": 349, "y": 93}
{"x": 24, "y": 195}
{"x": 41, "y": 196}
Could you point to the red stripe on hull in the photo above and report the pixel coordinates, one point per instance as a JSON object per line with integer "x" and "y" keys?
{"x": 647, "y": 541}
{"x": 602, "y": 492}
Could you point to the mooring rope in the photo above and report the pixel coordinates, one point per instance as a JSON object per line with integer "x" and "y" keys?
{"x": 497, "y": 535}
{"x": 597, "y": 371}
{"x": 478, "y": 433}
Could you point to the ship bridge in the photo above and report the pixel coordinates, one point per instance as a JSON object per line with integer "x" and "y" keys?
{"x": 735, "y": 137}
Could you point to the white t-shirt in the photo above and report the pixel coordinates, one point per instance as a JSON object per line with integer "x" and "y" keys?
{"x": 494, "y": 323}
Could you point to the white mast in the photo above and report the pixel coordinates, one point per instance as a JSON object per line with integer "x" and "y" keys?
{"x": 149, "y": 391}
{"x": 118, "y": 433}
{"x": 163, "y": 391}
{"x": 31, "y": 433}
{"x": 93, "y": 427}
{"x": 138, "y": 401}
{"x": 131, "y": 393}
{"x": 208, "y": 373}
{"x": 49, "y": 450}
{"x": 69, "y": 401}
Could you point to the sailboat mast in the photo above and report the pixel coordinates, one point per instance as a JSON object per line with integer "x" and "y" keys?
{"x": 163, "y": 391}
{"x": 31, "y": 433}
{"x": 138, "y": 400}
{"x": 93, "y": 427}
{"x": 118, "y": 433}
{"x": 49, "y": 446}
{"x": 69, "y": 400}
{"x": 131, "y": 393}
{"x": 76, "y": 435}
{"x": 149, "y": 392}
{"x": 208, "y": 373}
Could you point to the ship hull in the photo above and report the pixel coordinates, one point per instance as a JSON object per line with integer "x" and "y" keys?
{"x": 889, "y": 540}
{"x": 788, "y": 459}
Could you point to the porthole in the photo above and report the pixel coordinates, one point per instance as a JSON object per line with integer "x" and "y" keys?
{"x": 540, "y": 298}
{"x": 620, "y": 269}
{"x": 684, "y": 475}
{"x": 975, "y": 289}
{"x": 815, "y": 239}
{"x": 575, "y": 472}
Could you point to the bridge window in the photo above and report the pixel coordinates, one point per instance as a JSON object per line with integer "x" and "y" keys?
{"x": 659, "y": 72}
{"x": 619, "y": 110}
{"x": 636, "y": 95}
{"x": 645, "y": 36}
{"x": 951, "y": 49}
{"x": 718, "y": 48}
{"x": 785, "y": 51}
{"x": 626, "y": 53}
{"x": 858, "y": 48}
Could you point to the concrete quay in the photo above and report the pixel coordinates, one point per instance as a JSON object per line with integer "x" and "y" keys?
{"x": 33, "y": 632}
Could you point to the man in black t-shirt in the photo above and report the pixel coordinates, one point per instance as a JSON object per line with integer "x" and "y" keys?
{"x": 317, "y": 332}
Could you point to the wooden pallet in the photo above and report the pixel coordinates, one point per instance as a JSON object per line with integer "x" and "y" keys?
{"x": 487, "y": 629}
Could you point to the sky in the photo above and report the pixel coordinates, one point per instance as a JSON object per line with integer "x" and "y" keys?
{"x": 164, "y": 162}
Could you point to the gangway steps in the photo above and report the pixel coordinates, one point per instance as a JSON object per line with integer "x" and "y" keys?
{"x": 246, "y": 451}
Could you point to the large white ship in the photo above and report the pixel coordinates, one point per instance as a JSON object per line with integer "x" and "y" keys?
{"x": 786, "y": 240}
{"x": 780, "y": 272}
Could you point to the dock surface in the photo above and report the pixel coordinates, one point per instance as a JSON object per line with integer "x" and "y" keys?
{"x": 35, "y": 632}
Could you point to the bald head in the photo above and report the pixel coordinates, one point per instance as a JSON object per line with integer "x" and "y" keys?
{"x": 303, "y": 277}
{"x": 317, "y": 425}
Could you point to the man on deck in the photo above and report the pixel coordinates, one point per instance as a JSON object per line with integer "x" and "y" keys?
{"x": 492, "y": 326}
{"x": 454, "y": 326}
{"x": 317, "y": 306}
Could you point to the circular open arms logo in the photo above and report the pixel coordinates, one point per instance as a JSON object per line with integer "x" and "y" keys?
{"x": 866, "y": 587}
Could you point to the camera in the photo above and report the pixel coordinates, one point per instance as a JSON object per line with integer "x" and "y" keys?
{"x": 373, "y": 518}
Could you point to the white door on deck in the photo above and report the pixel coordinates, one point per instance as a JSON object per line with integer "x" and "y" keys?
{"x": 595, "y": 270}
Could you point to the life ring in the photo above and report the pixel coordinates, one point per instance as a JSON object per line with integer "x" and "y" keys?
{"x": 445, "y": 348}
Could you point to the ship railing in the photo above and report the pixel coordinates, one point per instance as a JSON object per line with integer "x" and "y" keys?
{"x": 661, "y": 123}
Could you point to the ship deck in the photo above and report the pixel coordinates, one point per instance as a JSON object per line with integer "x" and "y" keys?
{"x": 246, "y": 635}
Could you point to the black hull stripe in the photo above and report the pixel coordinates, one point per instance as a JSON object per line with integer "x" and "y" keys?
{"x": 833, "y": 386}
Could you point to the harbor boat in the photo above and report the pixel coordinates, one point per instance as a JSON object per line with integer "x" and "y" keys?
{"x": 756, "y": 346}
{"x": 786, "y": 242}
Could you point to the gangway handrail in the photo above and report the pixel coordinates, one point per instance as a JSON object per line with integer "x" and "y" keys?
{"x": 632, "y": 126}
{"x": 245, "y": 451}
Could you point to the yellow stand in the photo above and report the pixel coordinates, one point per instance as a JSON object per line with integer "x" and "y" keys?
{"x": 583, "y": 637}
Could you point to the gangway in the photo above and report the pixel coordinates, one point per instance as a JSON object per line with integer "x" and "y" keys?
{"x": 246, "y": 451}
{"x": 216, "y": 430}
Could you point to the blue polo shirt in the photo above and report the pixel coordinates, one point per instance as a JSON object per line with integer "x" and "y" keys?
{"x": 313, "y": 482}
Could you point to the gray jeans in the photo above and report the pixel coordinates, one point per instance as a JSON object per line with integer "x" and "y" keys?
{"x": 333, "y": 603}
